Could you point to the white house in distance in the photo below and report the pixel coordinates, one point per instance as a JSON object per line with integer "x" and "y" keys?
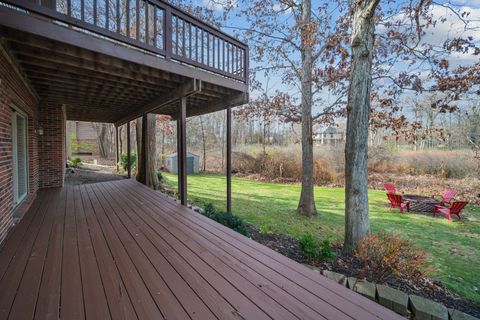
{"x": 331, "y": 135}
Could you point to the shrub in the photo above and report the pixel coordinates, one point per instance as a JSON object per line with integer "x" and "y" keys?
{"x": 124, "y": 160}
{"x": 159, "y": 176}
{"x": 229, "y": 220}
{"x": 316, "y": 250}
{"x": 75, "y": 162}
{"x": 383, "y": 256}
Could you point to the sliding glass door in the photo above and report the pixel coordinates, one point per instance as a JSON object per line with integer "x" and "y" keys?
{"x": 20, "y": 171}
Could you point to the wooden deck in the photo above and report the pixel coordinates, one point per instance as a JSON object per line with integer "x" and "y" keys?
{"x": 118, "y": 250}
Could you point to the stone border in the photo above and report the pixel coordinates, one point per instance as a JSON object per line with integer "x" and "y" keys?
{"x": 410, "y": 306}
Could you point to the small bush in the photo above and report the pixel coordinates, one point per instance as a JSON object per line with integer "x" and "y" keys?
{"x": 75, "y": 162}
{"x": 383, "y": 256}
{"x": 229, "y": 220}
{"x": 316, "y": 250}
{"x": 159, "y": 176}
{"x": 124, "y": 161}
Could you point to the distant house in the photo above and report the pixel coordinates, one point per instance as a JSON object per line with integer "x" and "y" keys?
{"x": 83, "y": 138}
{"x": 330, "y": 136}
{"x": 193, "y": 163}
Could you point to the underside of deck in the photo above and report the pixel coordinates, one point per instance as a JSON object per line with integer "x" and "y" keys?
{"x": 119, "y": 250}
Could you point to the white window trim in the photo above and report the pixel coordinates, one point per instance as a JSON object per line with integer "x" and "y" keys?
{"x": 15, "y": 110}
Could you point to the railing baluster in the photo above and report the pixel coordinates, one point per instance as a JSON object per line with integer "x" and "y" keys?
{"x": 82, "y": 10}
{"x": 107, "y": 9}
{"x": 196, "y": 43}
{"x": 203, "y": 36}
{"x": 69, "y": 8}
{"x": 168, "y": 33}
{"x": 146, "y": 22}
{"x": 223, "y": 55}
{"x": 177, "y": 42}
{"x": 236, "y": 59}
{"x": 218, "y": 53}
{"x": 208, "y": 48}
{"x": 118, "y": 16}
{"x": 155, "y": 26}
{"x": 137, "y": 22}
{"x": 213, "y": 50}
{"x": 95, "y": 12}
{"x": 127, "y": 18}
{"x": 183, "y": 38}
{"x": 190, "y": 41}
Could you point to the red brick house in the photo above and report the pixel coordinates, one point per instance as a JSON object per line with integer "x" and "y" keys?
{"x": 119, "y": 250}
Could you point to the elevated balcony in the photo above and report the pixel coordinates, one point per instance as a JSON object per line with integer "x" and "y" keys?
{"x": 114, "y": 60}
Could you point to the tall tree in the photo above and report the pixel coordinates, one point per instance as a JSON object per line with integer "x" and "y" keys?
{"x": 147, "y": 175}
{"x": 357, "y": 224}
{"x": 302, "y": 47}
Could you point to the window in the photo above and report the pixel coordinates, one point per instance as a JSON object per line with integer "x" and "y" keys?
{"x": 19, "y": 149}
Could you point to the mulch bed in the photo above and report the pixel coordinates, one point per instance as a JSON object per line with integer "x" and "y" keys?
{"x": 350, "y": 266}
{"x": 90, "y": 174}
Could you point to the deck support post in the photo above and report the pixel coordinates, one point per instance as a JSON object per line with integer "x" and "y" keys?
{"x": 129, "y": 152}
{"x": 182, "y": 150}
{"x": 229, "y": 160}
{"x": 117, "y": 152}
{"x": 144, "y": 147}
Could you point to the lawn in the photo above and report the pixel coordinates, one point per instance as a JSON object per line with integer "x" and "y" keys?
{"x": 453, "y": 248}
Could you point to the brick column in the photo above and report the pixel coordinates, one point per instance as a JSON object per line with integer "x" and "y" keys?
{"x": 51, "y": 146}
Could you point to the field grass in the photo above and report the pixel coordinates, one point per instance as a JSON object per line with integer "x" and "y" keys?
{"x": 453, "y": 248}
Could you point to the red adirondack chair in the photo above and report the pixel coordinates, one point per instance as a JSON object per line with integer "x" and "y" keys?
{"x": 390, "y": 188}
{"x": 397, "y": 201}
{"x": 447, "y": 196}
{"x": 455, "y": 208}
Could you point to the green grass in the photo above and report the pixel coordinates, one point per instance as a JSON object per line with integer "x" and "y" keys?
{"x": 453, "y": 248}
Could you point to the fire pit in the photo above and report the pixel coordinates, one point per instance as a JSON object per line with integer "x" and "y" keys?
{"x": 420, "y": 203}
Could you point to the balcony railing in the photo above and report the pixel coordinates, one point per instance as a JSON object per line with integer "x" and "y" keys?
{"x": 154, "y": 26}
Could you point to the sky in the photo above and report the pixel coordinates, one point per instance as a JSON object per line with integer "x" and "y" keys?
{"x": 435, "y": 35}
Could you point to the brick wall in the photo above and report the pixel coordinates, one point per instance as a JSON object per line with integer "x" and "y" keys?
{"x": 14, "y": 92}
{"x": 51, "y": 145}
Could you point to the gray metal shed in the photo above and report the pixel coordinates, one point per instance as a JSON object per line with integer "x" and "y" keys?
{"x": 193, "y": 163}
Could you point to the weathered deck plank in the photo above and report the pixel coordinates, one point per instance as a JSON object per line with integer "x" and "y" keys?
{"x": 118, "y": 250}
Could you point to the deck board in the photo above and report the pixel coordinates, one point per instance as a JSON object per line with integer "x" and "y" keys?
{"x": 119, "y": 250}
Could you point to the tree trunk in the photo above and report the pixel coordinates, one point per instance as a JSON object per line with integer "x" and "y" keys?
{"x": 357, "y": 224}
{"x": 204, "y": 145}
{"x": 138, "y": 136}
{"x": 150, "y": 178}
{"x": 306, "y": 205}
{"x": 102, "y": 143}
{"x": 120, "y": 140}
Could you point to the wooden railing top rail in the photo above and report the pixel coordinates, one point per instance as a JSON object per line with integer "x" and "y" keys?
{"x": 151, "y": 25}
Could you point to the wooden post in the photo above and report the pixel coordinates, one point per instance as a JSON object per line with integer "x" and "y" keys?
{"x": 229, "y": 160}
{"x": 182, "y": 150}
{"x": 129, "y": 152}
{"x": 117, "y": 152}
{"x": 144, "y": 147}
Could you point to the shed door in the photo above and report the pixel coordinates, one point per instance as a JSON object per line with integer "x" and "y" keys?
{"x": 190, "y": 165}
{"x": 19, "y": 143}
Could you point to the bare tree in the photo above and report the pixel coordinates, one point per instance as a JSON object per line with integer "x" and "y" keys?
{"x": 149, "y": 178}
{"x": 357, "y": 224}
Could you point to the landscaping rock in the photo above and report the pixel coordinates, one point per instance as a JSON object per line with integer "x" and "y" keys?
{"x": 365, "y": 288}
{"x": 312, "y": 267}
{"x": 393, "y": 299}
{"x": 458, "y": 315}
{"x": 424, "y": 309}
{"x": 337, "y": 277}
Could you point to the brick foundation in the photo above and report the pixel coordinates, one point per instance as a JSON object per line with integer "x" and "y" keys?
{"x": 14, "y": 92}
{"x": 51, "y": 146}
{"x": 46, "y": 153}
